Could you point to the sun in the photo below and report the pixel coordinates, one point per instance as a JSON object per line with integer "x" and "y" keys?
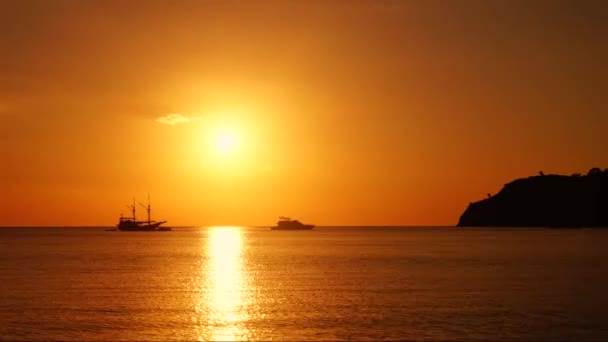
{"x": 225, "y": 142}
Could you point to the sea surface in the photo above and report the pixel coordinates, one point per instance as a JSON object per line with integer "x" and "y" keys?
{"x": 332, "y": 283}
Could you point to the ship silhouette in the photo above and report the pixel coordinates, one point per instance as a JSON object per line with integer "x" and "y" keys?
{"x": 131, "y": 223}
{"x": 286, "y": 223}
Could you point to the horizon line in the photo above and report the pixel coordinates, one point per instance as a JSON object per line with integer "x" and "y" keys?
{"x": 244, "y": 226}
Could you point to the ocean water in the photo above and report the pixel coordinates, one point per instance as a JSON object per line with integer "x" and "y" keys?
{"x": 231, "y": 283}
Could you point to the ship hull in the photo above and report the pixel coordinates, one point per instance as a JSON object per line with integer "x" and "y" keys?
{"x": 136, "y": 229}
{"x": 304, "y": 227}
{"x": 140, "y": 227}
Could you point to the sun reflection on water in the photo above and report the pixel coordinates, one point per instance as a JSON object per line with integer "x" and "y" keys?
{"x": 223, "y": 297}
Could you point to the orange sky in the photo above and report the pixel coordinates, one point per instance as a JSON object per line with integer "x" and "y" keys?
{"x": 336, "y": 112}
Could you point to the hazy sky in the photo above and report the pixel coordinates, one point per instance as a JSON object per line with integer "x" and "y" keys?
{"x": 335, "y": 112}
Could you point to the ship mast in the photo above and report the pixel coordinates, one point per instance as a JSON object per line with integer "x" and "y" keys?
{"x": 147, "y": 208}
{"x": 133, "y": 209}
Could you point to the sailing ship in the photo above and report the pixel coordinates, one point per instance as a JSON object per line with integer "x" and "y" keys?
{"x": 286, "y": 223}
{"x": 131, "y": 223}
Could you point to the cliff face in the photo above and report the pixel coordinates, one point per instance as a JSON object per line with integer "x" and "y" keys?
{"x": 545, "y": 200}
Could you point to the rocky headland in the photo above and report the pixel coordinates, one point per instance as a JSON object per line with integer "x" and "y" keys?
{"x": 544, "y": 201}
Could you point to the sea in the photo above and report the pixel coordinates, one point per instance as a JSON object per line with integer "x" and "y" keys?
{"x": 331, "y": 283}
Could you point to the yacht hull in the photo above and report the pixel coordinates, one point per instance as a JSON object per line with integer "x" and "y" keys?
{"x": 305, "y": 227}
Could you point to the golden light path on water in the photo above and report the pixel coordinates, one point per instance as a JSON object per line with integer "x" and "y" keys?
{"x": 223, "y": 300}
